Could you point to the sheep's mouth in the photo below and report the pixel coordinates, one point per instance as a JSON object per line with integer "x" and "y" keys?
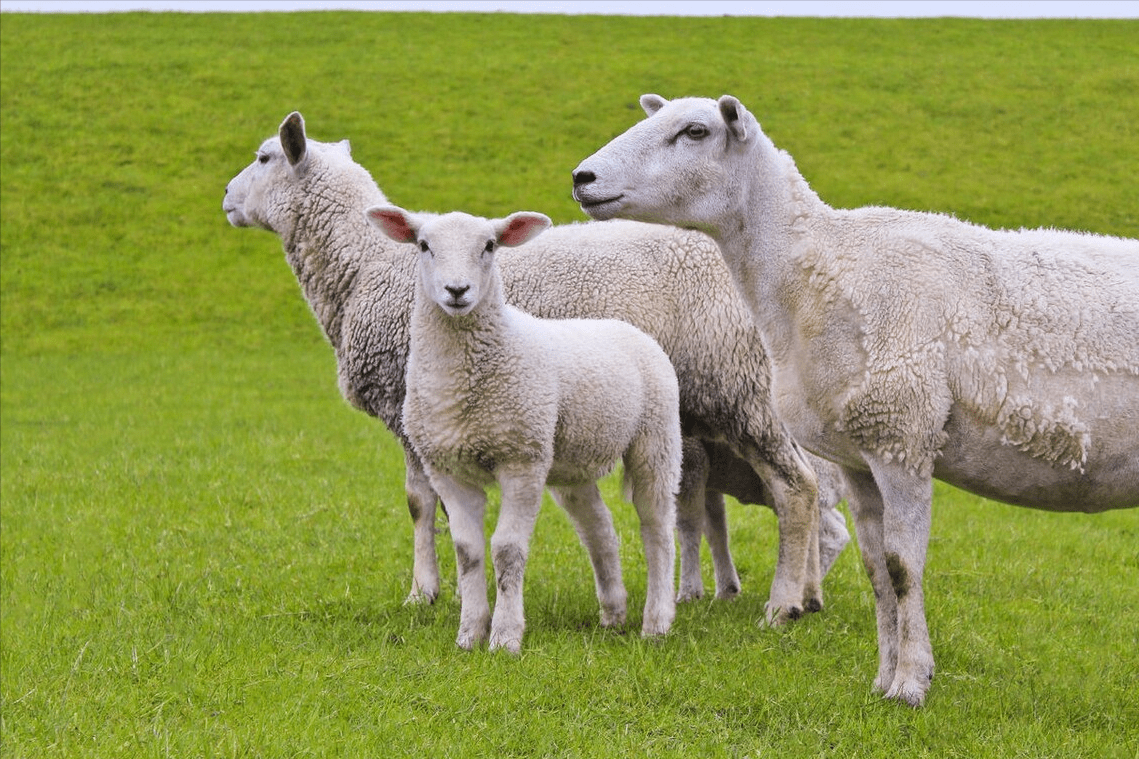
{"x": 605, "y": 208}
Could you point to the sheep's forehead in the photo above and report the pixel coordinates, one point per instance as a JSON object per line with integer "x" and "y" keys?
{"x": 457, "y": 232}
{"x": 683, "y": 111}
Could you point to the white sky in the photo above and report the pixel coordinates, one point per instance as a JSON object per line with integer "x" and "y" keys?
{"x": 879, "y": 8}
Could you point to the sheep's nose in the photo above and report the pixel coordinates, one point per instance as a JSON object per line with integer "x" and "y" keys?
{"x": 457, "y": 291}
{"x": 583, "y": 177}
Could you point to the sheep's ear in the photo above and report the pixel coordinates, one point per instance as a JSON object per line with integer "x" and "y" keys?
{"x": 293, "y": 139}
{"x": 734, "y": 115}
{"x": 652, "y": 103}
{"x": 394, "y": 222}
{"x": 520, "y": 227}
{"x": 347, "y": 148}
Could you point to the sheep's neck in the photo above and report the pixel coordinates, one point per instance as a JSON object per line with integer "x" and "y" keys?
{"x": 760, "y": 237}
{"x": 325, "y": 252}
{"x": 469, "y": 343}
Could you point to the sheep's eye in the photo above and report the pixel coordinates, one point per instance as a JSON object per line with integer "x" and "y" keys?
{"x": 489, "y": 246}
{"x": 424, "y": 247}
{"x": 263, "y": 158}
{"x": 696, "y": 131}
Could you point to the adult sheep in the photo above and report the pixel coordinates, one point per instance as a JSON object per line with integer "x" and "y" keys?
{"x": 495, "y": 395}
{"x": 905, "y": 345}
{"x": 671, "y": 284}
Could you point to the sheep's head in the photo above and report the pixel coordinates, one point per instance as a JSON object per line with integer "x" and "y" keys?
{"x": 456, "y": 250}
{"x": 261, "y": 195}
{"x": 674, "y": 167}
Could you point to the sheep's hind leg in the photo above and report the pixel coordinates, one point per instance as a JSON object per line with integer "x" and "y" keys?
{"x": 716, "y": 529}
{"x": 866, "y": 506}
{"x": 594, "y": 524}
{"x": 421, "y": 500}
{"x": 691, "y": 518}
{"x": 466, "y": 512}
{"x": 656, "y": 508}
{"x": 509, "y": 548}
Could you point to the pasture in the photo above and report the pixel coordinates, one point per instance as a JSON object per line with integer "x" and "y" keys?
{"x": 204, "y": 551}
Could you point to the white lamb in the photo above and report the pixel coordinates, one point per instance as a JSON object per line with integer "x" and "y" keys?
{"x": 497, "y": 395}
{"x": 669, "y": 283}
{"x": 905, "y": 346}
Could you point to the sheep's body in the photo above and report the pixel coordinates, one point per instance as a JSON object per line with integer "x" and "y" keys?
{"x": 904, "y": 345}
{"x": 497, "y": 395}
{"x": 670, "y": 284}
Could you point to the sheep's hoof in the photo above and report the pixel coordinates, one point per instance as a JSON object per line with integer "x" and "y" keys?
{"x": 912, "y": 694}
{"x": 612, "y": 618}
{"x": 728, "y": 591}
{"x": 512, "y": 644}
{"x": 777, "y": 616}
{"x": 418, "y": 597}
{"x": 689, "y": 594}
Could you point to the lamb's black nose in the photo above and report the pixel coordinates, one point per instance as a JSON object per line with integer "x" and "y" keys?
{"x": 457, "y": 291}
{"x": 583, "y": 177}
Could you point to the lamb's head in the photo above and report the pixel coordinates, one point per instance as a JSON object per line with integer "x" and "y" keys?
{"x": 267, "y": 192}
{"x": 456, "y": 250}
{"x": 677, "y": 166}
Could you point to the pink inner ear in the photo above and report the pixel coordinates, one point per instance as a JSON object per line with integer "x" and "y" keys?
{"x": 518, "y": 231}
{"x": 394, "y": 225}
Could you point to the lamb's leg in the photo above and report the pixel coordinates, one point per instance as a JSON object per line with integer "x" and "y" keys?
{"x": 866, "y": 507}
{"x": 594, "y": 524}
{"x": 690, "y": 518}
{"x": 907, "y": 498}
{"x": 466, "y": 511}
{"x": 716, "y": 529}
{"x": 509, "y": 548}
{"x": 421, "y": 500}
{"x": 655, "y": 502}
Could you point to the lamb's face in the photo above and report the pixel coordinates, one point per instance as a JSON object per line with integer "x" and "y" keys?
{"x": 456, "y": 260}
{"x": 669, "y": 168}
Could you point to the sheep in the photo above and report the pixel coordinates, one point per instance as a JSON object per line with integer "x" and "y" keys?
{"x": 497, "y": 395}
{"x": 672, "y": 285}
{"x": 905, "y": 346}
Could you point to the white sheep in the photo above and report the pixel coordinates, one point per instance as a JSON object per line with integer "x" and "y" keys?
{"x": 669, "y": 283}
{"x": 905, "y": 345}
{"x": 497, "y": 395}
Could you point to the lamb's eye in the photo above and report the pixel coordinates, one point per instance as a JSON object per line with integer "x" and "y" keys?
{"x": 696, "y": 131}
{"x": 424, "y": 247}
{"x": 489, "y": 246}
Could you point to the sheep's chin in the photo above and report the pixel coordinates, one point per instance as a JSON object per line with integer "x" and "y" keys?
{"x": 603, "y": 210}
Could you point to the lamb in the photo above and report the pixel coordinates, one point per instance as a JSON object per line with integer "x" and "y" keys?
{"x": 672, "y": 285}
{"x": 905, "y": 345}
{"x": 497, "y": 395}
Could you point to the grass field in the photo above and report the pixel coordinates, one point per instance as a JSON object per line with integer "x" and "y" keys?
{"x": 204, "y": 550}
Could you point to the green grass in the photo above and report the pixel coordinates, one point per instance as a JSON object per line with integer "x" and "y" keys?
{"x": 204, "y": 551}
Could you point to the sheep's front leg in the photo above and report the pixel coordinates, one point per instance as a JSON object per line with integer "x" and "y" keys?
{"x": 594, "y": 524}
{"x": 467, "y": 509}
{"x": 907, "y": 498}
{"x": 509, "y": 548}
{"x": 796, "y": 587}
{"x": 421, "y": 500}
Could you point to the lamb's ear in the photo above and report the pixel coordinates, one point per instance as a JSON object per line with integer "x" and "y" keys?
{"x": 520, "y": 227}
{"x": 652, "y": 103}
{"x": 735, "y": 116}
{"x": 293, "y": 140}
{"x": 394, "y": 222}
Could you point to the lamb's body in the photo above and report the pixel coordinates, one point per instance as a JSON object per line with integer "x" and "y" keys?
{"x": 904, "y": 345}
{"x": 669, "y": 283}
{"x": 497, "y": 395}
